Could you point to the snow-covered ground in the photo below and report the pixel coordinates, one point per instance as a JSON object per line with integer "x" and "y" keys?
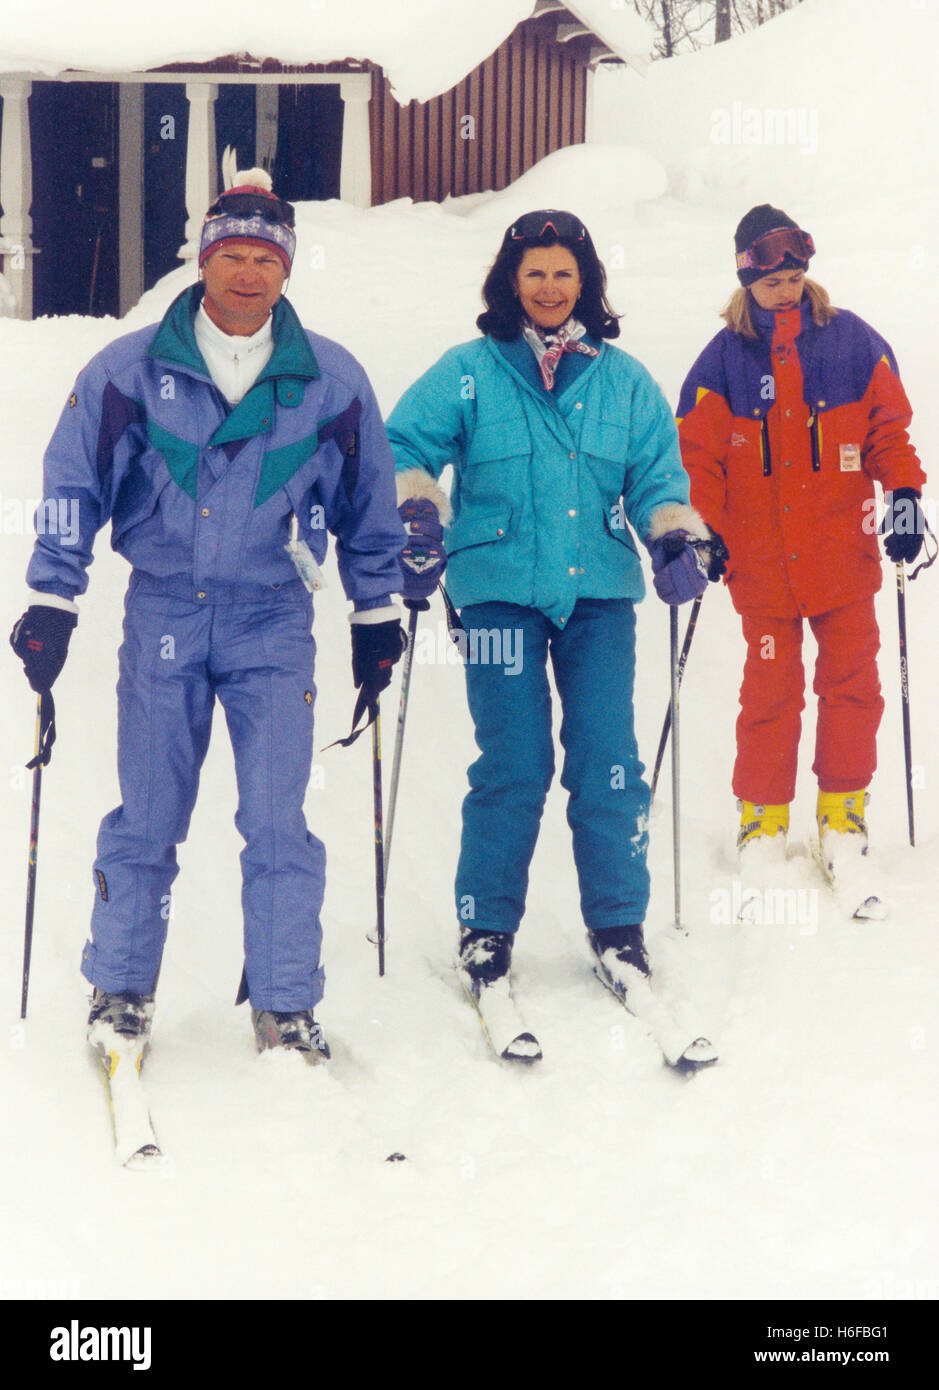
{"x": 803, "y": 1165}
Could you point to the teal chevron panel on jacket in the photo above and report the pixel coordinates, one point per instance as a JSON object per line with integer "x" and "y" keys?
{"x": 279, "y": 465}
{"x": 182, "y": 458}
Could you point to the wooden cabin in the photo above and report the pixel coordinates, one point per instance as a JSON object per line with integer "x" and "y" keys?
{"x": 105, "y": 177}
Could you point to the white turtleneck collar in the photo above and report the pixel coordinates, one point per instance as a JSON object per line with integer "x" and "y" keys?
{"x": 234, "y": 362}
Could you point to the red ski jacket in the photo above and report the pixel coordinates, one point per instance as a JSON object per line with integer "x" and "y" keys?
{"x": 783, "y": 437}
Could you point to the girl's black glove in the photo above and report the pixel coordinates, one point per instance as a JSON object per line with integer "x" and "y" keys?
{"x": 903, "y": 525}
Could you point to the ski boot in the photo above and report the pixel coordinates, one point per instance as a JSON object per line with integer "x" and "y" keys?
{"x": 485, "y": 956}
{"x": 762, "y": 836}
{"x": 483, "y": 970}
{"x": 297, "y": 1031}
{"x": 621, "y": 954}
{"x": 843, "y": 854}
{"x": 128, "y": 1015}
{"x": 842, "y": 830}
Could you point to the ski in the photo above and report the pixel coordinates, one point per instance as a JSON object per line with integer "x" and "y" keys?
{"x": 502, "y": 1024}
{"x": 858, "y": 904}
{"x": 634, "y": 991}
{"x": 135, "y": 1144}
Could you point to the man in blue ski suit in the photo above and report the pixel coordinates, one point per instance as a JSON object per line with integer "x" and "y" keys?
{"x": 210, "y": 441}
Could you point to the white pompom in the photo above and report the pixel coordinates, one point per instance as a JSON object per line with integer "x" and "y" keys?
{"x": 252, "y": 178}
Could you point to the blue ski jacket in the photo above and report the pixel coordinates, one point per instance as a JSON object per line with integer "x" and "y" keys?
{"x": 197, "y": 488}
{"x": 543, "y": 483}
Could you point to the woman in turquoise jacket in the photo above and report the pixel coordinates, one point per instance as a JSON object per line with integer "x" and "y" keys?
{"x": 557, "y": 440}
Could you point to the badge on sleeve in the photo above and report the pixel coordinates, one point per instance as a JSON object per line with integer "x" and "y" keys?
{"x": 72, "y": 400}
{"x": 850, "y": 455}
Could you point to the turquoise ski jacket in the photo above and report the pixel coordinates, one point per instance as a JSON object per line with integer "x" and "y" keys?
{"x": 544, "y": 484}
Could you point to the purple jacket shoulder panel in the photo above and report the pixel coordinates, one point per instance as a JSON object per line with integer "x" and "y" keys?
{"x": 837, "y": 364}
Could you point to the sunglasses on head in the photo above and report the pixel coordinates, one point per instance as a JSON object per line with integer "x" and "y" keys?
{"x": 536, "y": 224}
{"x": 267, "y": 207}
{"x": 769, "y": 251}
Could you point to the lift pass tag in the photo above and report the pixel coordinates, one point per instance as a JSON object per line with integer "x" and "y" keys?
{"x": 850, "y": 458}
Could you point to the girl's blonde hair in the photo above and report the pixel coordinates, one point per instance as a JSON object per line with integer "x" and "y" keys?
{"x": 737, "y": 313}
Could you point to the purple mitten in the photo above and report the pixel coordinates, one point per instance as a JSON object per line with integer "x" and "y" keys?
{"x": 680, "y": 573}
{"x": 423, "y": 559}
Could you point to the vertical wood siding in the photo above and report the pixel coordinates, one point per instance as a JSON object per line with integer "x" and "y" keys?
{"x": 526, "y": 100}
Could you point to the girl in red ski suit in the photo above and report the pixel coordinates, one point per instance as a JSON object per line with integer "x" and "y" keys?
{"x": 786, "y": 420}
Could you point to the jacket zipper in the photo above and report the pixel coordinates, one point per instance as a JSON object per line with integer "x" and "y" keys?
{"x": 764, "y": 447}
{"x": 816, "y": 443}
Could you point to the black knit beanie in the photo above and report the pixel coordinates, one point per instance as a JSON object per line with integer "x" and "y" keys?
{"x": 757, "y": 223}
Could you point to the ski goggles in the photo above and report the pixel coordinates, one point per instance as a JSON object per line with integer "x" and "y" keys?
{"x": 769, "y": 251}
{"x": 247, "y": 205}
{"x": 536, "y": 224}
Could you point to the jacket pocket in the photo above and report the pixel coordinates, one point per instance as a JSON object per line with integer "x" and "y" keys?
{"x": 605, "y": 447}
{"x": 308, "y": 509}
{"x": 498, "y": 441}
{"x": 477, "y": 529}
{"x": 605, "y": 439}
{"x": 137, "y": 502}
{"x": 618, "y": 530}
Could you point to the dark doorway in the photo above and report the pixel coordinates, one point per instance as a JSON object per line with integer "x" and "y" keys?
{"x": 73, "y": 128}
{"x": 235, "y": 123}
{"x": 309, "y": 141}
{"x": 165, "y": 127}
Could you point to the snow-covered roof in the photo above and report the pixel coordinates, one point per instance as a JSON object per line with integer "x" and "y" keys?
{"x": 424, "y": 46}
{"x": 628, "y": 35}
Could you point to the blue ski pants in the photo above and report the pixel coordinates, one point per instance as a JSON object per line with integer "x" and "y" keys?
{"x": 251, "y": 647}
{"x": 593, "y": 658}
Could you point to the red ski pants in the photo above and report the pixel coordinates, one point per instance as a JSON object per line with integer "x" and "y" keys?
{"x": 772, "y": 698}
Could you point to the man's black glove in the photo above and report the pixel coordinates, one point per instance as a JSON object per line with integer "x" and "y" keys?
{"x": 40, "y": 640}
{"x": 375, "y": 649}
{"x": 903, "y": 526}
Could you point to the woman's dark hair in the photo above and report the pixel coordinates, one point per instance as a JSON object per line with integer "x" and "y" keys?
{"x": 503, "y": 315}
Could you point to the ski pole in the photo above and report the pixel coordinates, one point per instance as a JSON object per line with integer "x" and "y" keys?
{"x": 379, "y": 847}
{"x": 667, "y": 724}
{"x": 416, "y": 606}
{"x": 673, "y": 710}
{"x": 33, "y": 850}
{"x": 905, "y": 697}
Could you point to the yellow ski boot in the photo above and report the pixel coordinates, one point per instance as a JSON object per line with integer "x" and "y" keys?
{"x": 842, "y": 812}
{"x": 763, "y": 831}
{"x": 843, "y": 853}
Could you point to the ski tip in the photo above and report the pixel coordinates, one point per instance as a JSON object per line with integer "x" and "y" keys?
{"x": 871, "y": 910}
{"x": 524, "y": 1048}
{"x": 702, "y": 1053}
{"x": 147, "y": 1157}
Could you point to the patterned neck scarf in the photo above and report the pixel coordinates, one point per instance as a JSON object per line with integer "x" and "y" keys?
{"x": 549, "y": 346}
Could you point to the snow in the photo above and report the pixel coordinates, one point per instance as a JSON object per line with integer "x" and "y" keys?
{"x": 802, "y": 1165}
{"x": 591, "y": 175}
{"x": 621, "y": 28}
